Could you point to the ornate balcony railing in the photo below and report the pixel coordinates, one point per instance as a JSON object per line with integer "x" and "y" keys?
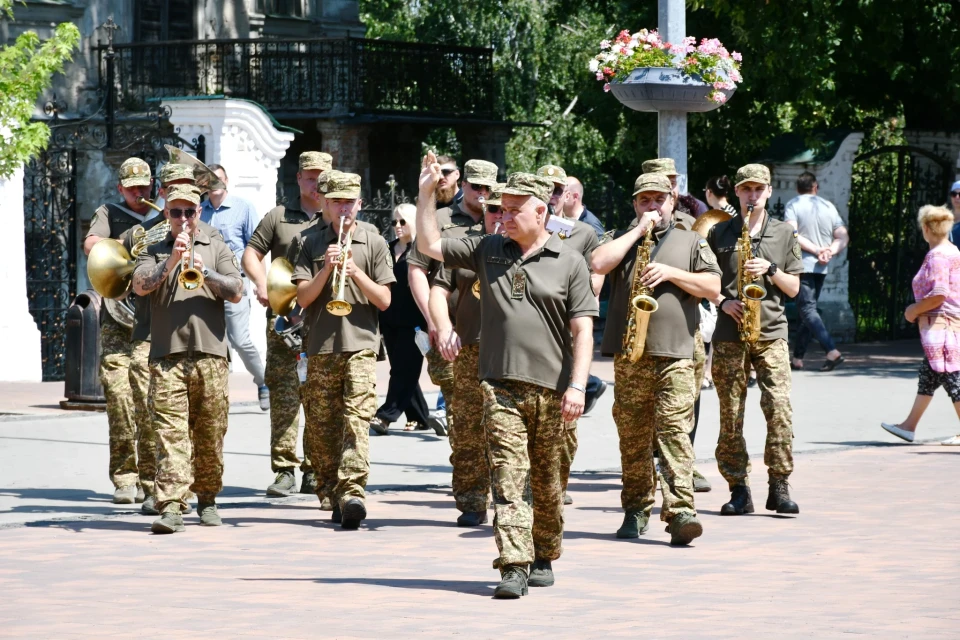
{"x": 329, "y": 77}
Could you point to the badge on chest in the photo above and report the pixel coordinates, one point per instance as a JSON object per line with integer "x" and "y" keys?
{"x": 519, "y": 285}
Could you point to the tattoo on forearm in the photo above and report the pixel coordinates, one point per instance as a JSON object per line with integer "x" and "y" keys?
{"x": 150, "y": 281}
{"x": 226, "y": 287}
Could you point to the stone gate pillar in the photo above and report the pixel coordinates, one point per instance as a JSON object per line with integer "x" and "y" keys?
{"x": 349, "y": 144}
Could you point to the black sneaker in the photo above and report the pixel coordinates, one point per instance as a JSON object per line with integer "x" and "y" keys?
{"x": 684, "y": 529}
{"x": 308, "y": 484}
{"x": 472, "y": 519}
{"x": 635, "y": 522}
{"x": 591, "y": 399}
{"x": 513, "y": 583}
{"x": 284, "y": 484}
{"x": 169, "y": 522}
{"x": 741, "y": 502}
{"x": 541, "y": 574}
{"x": 778, "y": 497}
{"x": 354, "y": 512}
{"x": 337, "y": 516}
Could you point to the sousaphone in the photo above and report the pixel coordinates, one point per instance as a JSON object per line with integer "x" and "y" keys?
{"x": 203, "y": 177}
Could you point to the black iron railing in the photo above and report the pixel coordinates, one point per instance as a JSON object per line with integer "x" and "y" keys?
{"x": 329, "y": 77}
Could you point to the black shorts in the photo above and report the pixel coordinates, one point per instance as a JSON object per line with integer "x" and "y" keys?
{"x": 931, "y": 380}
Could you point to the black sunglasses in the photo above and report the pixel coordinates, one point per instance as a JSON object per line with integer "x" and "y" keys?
{"x": 479, "y": 187}
{"x": 400, "y": 222}
{"x": 183, "y": 213}
{"x": 493, "y": 208}
{"x": 447, "y": 172}
{"x": 558, "y": 190}
{"x": 955, "y": 194}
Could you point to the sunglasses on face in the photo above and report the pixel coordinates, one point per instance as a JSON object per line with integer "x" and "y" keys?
{"x": 187, "y": 214}
{"x": 955, "y": 194}
{"x": 446, "y": 172}
{"x": 558, "y": 190}
{"x": 478, "y": 187}
{"x": 401, "y": 222}
{"x": 493, "y": 208}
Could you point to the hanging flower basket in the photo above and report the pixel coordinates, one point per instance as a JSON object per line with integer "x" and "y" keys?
{"x": 647, "y": 74}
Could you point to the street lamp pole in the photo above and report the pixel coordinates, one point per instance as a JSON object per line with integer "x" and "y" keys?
{"x": 672, "y": 125}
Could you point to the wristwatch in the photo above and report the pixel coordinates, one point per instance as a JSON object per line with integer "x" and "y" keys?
{"x": 205, "y": 272}
{"x": 772, "y": 271}
{"x": 578, "y": 387}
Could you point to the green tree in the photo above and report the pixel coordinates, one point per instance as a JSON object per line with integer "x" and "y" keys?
{"x": 26, "y": 69}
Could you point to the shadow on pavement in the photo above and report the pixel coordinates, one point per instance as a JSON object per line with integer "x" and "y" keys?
{"x": 611, "y": 537}
{"x": 432, "y": 504}
{"x": 470, "y": 587}
{"x": 946, "y": 450}
{"x": 861, "y": 443}
{"x": 71, "y": 495}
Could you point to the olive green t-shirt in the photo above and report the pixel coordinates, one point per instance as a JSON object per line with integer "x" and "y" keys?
{"x": 360, "y": 329}
{"x": 467, "y": 315}
{"x": 113, "y": 220}
{"x": 528, "y": 304}
{"x": 184, "y": 321}
{"x": 582, "y": 239}
{"x": 776, "y": 242}
{"x": 453, "y": 222}
{"x": 683, "y": 220}
{"x": 672, "y": 325}
{"x": 279, "y": 228}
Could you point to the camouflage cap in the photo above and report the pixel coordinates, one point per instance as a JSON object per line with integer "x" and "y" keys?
{"x": 170, "y": 172}
{"x": 652, "y": 182}
{"x": 315, "y": 160}
{"x": 495, "y": 194}
{"x": 663, "y": 166}
{"x": 183, "y": 192}
{"x": 134, "y": 172}
{"x": 343, "y": 186}
{"x": 323, "y": 179}
{"x": 480, "y": 172}
{"x": 753, "y": 173}
{"x": 554, "y": 173}
{"x": 528, "y": 184}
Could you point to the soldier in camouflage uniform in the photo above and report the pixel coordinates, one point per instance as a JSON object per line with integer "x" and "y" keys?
{"x": 536, "y": 341}
{"x": 112, "y": 221}
{"x": 776, "y": 264}
{"x": 340, "y": 395}
{"x": 274, "y": 235}
{"x": 654, "y": 395}
{"x": 188, "y": 359}
{"x": 471, "y": 469}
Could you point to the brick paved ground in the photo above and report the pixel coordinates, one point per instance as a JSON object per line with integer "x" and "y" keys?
{"x": 874, "y": 553}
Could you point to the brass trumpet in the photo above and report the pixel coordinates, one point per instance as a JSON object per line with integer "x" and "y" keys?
{"x": 190, "y": 278}
{"x": 339, "y": 306}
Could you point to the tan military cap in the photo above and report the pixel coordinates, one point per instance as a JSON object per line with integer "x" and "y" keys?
{"x": 495, "y": 194}
{"x": 170, "y": 172}
{"x": 315, "y": 160}
{"x": 554, "y": 173}
{"x": 343, "y": 186}
{"x": 186, "y": 192}
{"x": 323, "y": 179}
{"x": 663, "y": 166}
{"x": 652, "y": 182}
{"x": 528, "y": 184}
{"x": 134, "y": 172}
{"x": 753, "y": 173}
{"x": 480, "y": 172}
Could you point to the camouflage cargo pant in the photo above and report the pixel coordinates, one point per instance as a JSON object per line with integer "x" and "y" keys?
{"x": 570, "y": 445}
{"x": 471, "y": 470}
{"x": 525, "y": 439}
{"x": 280, "y": 375}
{"x": 115, "y": 378}
{"x": 731, "y": 366}
{"x": 652, "y": 405}
{"x": 441, "y": 374}
{"x": 699, "y": 360}
{"x": 340, "y": 398}
{"x": 143, "y": 410}
{"x": 190, "y": 406}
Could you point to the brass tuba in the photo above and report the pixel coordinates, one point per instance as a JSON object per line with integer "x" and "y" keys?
{"x": 190, "y": 277}
{"x": 708, "y": 220}
{"x": 339, "y": 306}
{"x": 642, "y": 303}
{"x": 110, "y": 268}
{"x": 750, "y": 287}
{"x": 203, "y": 177}
{"x": 281, "y": 291}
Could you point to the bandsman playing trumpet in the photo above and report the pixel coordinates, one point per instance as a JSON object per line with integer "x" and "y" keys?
{"x": 754, "y": 250}
{"x": 188, "y": 277}
{"x": 653, "y": 364}
{"x": 343, "y": 275}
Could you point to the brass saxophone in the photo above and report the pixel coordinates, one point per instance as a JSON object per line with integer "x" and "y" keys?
{"x": 750, "y": 287}
{"x": 642, "y": 303}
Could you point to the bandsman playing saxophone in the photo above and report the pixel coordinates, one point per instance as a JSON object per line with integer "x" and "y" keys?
{"x": 653, "y": 366}
{"x": 754, "y": 251}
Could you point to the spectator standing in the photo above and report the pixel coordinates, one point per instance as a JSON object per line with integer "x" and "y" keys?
{"x": 716, "y": 193}
{"x": 574, "y": 208}
{"x": 953, "y": 205}
{"x": 821, "y": 235}
{"x": 235, "y": 219}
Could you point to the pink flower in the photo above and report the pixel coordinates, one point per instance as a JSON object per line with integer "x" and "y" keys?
{"x": 607, "y": 71}
{"x": 736, "y": 56}
{"x": 604, "y": 45}
{"x": 599, "y": 75}
{"x": 606, "y": 87}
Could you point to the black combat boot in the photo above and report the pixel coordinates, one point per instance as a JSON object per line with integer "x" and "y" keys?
{"x": 472, "y": 519}
{"x": 778, "y": 498}
{"x": 354, "y": 511}
{"x": 309, "y": 483}
{"x": 513, "y": 582}
{"x": 741, "y": 502}
{"x": 541, "y": 574}
{"x": 336, "y": 517}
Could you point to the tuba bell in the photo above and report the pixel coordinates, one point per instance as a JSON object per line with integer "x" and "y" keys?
{"x": 110, "y": 268}
{"x": 203, "y": 177}
{"x": 281, "y": 291}
{"x": 708, "y": 220}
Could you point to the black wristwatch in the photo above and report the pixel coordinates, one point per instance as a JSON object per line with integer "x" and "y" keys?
{"x": 772, "y": 271}
{"x": 205, "y": 272}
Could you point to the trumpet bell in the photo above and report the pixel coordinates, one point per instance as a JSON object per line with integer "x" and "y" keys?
{"x": 648, "y": 304}
{"x": 110, "y": 268}
{"x": 754, "y": 291}
{"x": 191, "y": 279}
{"x": 339, "y": 307}
{"x": 281, "y": 292}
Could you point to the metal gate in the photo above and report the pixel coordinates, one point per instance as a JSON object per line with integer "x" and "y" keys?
{"x": 890, "y": 184}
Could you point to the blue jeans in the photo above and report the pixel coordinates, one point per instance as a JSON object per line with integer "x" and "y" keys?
{"x": 812, "y": 327}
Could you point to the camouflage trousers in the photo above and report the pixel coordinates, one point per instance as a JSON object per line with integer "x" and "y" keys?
{"x": 190, "y": 407}
{"x": 652, "y": 405}
{"x": 280, "y": 375}
{"x": 441, "y": 374}
{"x": 570, "y": 445}
{"x": 731, "y": 366}
{"x": 115, "y": 378}
{"x": 471, "y": 470}
{"x": 143, "y": 411}
{"x": 340, "y": 400}
{"x": 525, "y": 440}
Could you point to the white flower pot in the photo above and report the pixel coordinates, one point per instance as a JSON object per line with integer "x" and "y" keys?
{"x": 665, "y": 89}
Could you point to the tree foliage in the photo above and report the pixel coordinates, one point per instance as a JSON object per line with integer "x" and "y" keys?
{"x": 26, "y": 68}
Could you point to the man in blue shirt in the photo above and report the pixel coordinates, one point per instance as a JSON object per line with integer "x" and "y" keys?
{"x": 574, "y": 208}
{"x": 235, "y": 218}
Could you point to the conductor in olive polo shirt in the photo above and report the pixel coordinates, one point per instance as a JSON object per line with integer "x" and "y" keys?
{"x": 188, "y": 358}
{"x": 340, "y": 395}
{"x": 536, "y": 341}
{"x": 654, "y": 396}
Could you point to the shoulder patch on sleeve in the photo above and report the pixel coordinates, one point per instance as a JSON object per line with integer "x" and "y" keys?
{"x": 702, "y": 243}
{"x": 796, "y": 250}
{"x": 796, "y": 233}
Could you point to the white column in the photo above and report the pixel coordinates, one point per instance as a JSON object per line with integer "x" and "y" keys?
{"x": 19, "y": 336}
{"x": 243, "y": 138}
{"x": 672, "y": 125}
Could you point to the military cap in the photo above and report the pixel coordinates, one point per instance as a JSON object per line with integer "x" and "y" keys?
{"x": 495, "y": 194}
{"x": 343, "y": 186}
{"x": 323, "y": 179}
{"x": 480, "y": 172}
{"x": 753, "y": 173}
{"x": 652, "y": 182}
{"x": 170, "y": 172}
{"x": 554, "y": 173}
{"x": 183, "y": 192}
{"x": 528, "y": 184}
{"x": 315, "y": 160}
{"x": 663, "y": 166}
{"x": 134, "y": 172}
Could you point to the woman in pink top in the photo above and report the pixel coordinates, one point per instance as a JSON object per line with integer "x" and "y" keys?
{"x": 936, "y": 289}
